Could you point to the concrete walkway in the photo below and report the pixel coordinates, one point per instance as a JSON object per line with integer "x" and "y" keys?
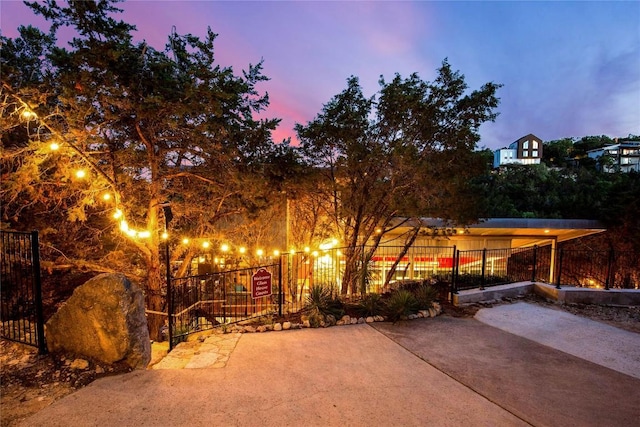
{"x": 587, "y": 339}
{"x": 442, "y": 372}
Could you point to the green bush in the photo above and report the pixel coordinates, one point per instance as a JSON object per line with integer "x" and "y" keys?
{"x": 425, "y": 295}
{"x": 400, "y": 304}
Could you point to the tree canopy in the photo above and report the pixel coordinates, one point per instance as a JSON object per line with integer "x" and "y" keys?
{"x": 406, "y": 153}
{"x": 147, "y": 127}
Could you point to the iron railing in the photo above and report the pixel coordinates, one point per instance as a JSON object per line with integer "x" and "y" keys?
{"x": 491, "y": 267}
{"x": 204, "y": 301}
{"x": 598, "y": 269}
{"x": 20, "y": 289}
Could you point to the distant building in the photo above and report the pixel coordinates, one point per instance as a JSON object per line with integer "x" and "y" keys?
{"x": 525, "y": 151}
{"x": 623, "y": 156}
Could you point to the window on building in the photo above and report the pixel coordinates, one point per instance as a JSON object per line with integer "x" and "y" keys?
{"x": 535, "y": 145}
{"x": 525, "y": 145}
{"x": 534, "y": 153}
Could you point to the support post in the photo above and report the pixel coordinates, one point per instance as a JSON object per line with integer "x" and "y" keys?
{"x": 484, "y": 266}
{"x": 35, "y": 250}
{"x": 535, "y": 263}
{"x": 280, "y": 293}
{"x": 559, "y": 269}
{"x": 607, "y": 282}
{"x": 454, "y": 265}
{"x": 169, "y": 295}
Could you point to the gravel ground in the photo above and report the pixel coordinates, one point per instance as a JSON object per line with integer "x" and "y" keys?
{"x": 29, "y": 382}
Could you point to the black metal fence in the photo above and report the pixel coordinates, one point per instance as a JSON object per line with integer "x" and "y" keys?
{"x": 598, "y": 269}
{"x": 491, "y": 267}
{"x": 20, "y": 289}
{"x": 202, "y": 302}
{"x": 205, "y": 301}
{"x": 581, "y": 268}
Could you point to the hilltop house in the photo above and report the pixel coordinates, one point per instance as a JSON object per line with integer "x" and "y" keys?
{"x": 624, "y": 156}
{"x": 524, "y": 151}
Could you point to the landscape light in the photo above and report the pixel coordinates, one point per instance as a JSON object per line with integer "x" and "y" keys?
{"x": 276, "y": 253}
{"x": 81, "y": 173}
{"x": 117, "y": 214}
{"x": 165, "y": 235}
{"x": 54, "y": 146}
{"x": 242, "y": 249}
{"x": 106, "y": 196}
{"x": 224, "y": 247}
{"x": 144, "y": 234}
{"x": 206, "y": 245}
{"x": 259, "y": 252}
{"x": 185, "y": 241}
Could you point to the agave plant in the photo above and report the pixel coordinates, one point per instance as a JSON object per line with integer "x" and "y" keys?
{"x": 370, "y": 305}
{"x": 321, "y": 300}
{"x": 425, "y": 295}
{"x": 400, "y": 304}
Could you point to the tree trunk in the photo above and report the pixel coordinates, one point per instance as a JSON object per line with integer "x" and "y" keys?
{"x": 156, "y": 298}
{"x": 407, "y": 245}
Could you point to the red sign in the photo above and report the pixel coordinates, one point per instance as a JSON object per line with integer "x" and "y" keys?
{"x": 261, "y": 284}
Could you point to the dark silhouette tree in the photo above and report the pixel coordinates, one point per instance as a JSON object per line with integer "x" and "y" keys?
{"x": 406, "y": 153}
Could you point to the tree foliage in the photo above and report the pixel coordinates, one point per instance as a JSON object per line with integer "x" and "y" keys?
{"x": 407, "y": 152}
{"x": 154, "y": 126}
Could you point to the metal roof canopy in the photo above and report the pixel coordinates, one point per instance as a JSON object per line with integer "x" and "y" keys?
{"x": 522, "y": 231}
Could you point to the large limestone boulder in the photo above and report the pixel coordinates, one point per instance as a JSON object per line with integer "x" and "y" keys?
{"x": 104, "y": 319}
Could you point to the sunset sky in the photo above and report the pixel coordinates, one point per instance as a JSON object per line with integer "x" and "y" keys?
{"x": 569, "y": 69}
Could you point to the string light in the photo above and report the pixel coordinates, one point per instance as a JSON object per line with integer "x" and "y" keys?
{"x": 28, "y": 115}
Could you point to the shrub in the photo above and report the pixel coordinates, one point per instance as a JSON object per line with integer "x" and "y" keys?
{"x": 400, "y": 304}
{"x": 425, "y": 295}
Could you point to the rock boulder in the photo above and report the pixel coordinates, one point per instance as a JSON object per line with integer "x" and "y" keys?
{"x": 104, "y": 319}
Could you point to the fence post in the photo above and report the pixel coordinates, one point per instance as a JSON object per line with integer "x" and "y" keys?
{"x": 559, "y": 269}
{"x": 169, "y": 295}
{"x": 280, "y": 293}
{"x": 535, "y": 263}
{"x": 609, "y": 269}
{"x": 484, "y": 265}
{"x": 35, "y": 251}
{"x": 454, "y": 263}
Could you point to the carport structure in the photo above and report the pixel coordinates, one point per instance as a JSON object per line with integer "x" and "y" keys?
{"x": 498, "y": 233}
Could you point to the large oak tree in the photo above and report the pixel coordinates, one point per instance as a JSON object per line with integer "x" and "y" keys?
{"x": 407, "y": 152}
{"x": 151, "y": 126}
